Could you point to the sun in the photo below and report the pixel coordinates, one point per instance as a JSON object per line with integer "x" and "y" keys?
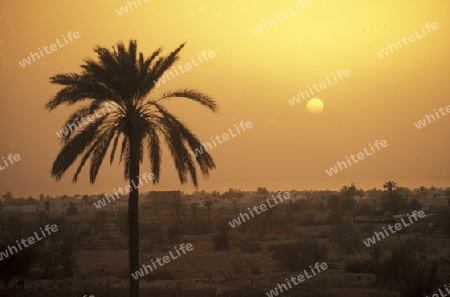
{"x": 315, "y": 105}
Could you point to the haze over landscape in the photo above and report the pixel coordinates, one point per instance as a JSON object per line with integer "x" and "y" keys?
{"x": 252, "y": 77}
{"x": 224, "y": 148}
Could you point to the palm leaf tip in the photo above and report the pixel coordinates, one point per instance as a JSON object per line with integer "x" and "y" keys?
{"x": 194, "y": 95}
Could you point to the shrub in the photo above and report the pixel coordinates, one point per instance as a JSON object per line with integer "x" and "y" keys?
{"x": 412, "y": 277}
{"x": 48, "y": 261}
{"x": 18, "y": 264}
{"x": 346, "y": 236}
{"x": 221, "y": 239}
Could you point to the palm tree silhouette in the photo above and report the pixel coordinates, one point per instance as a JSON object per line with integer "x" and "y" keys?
{"x": 123, "y": 79}
{"x": 390, "y": 186}
{"x": 394, "y": 199}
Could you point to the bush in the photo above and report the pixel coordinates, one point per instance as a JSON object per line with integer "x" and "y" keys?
{"x": 412, "y": 277}
{"x": 298, "y": 255}
{"x": 221, "y": 240}
{"x": 18, "y": 264}
{"x": 346, "y": 236}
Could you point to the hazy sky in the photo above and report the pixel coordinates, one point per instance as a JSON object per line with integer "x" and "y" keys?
{"x": 252, "y": 77}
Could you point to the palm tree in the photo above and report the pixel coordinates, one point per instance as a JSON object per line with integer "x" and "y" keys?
{"x": 121, "y": 82}
{"x": 390, "y": 186}
{"x": 394, "y": 199}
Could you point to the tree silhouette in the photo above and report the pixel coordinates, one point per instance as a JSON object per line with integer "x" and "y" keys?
{"x": 221, "y": 239}
{"x": 119, "y": 85}
{"x": 393, "y": 200}
{"x": 376, "y": 252}
{"x": 413, "y": 277}
{"x": 333, "y": 204}
{"x": 261, "y": 190}
{"x": 17, "y": 264}
{"x": 67, "y": 251}
{"x": 390, "y": 186}
{"x": 86, "y": 199}
{"x": 346, "y": 236}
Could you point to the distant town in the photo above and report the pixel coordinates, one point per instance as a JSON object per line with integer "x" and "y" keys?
{"x": 429, "y": 198}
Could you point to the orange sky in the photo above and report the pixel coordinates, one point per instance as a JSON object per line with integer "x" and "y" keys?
{"x": 252, "y": 77}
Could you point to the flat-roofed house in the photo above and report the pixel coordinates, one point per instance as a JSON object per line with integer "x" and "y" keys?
{"x": 163, "y": 199}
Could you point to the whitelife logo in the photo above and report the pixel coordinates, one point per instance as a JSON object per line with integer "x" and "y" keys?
{"x": 27, "y": 61}
{"x": 379, "y": 235}
{"x": 300, "y": 278}
{"x": 423, "y": 123}
{"x": 165, "y": 259}
{"x": 84, "y": 121}
{"x": 169, "y": 74}
{"x": 360, "y": 155}
{"x": 124, "y": 9}
{"x": 411, "y": 38}
{"x": 441, "y": 294}
{"x": 323, "y": 85}
{"x": 11, "y": 250}
{"x": 281, "y": 16}
{"x": 263, "y": 207}
{"x": 10, "y": 161}
{"x": 128, "y": 188}
{"x": 198, "y": 151}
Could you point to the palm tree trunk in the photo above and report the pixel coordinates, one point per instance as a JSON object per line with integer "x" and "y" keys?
{"x": 133, "y": 222}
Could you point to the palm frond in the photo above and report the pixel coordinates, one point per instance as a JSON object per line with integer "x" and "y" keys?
{"x": 194, "y": 95}
{"x": 74, "y": 147}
